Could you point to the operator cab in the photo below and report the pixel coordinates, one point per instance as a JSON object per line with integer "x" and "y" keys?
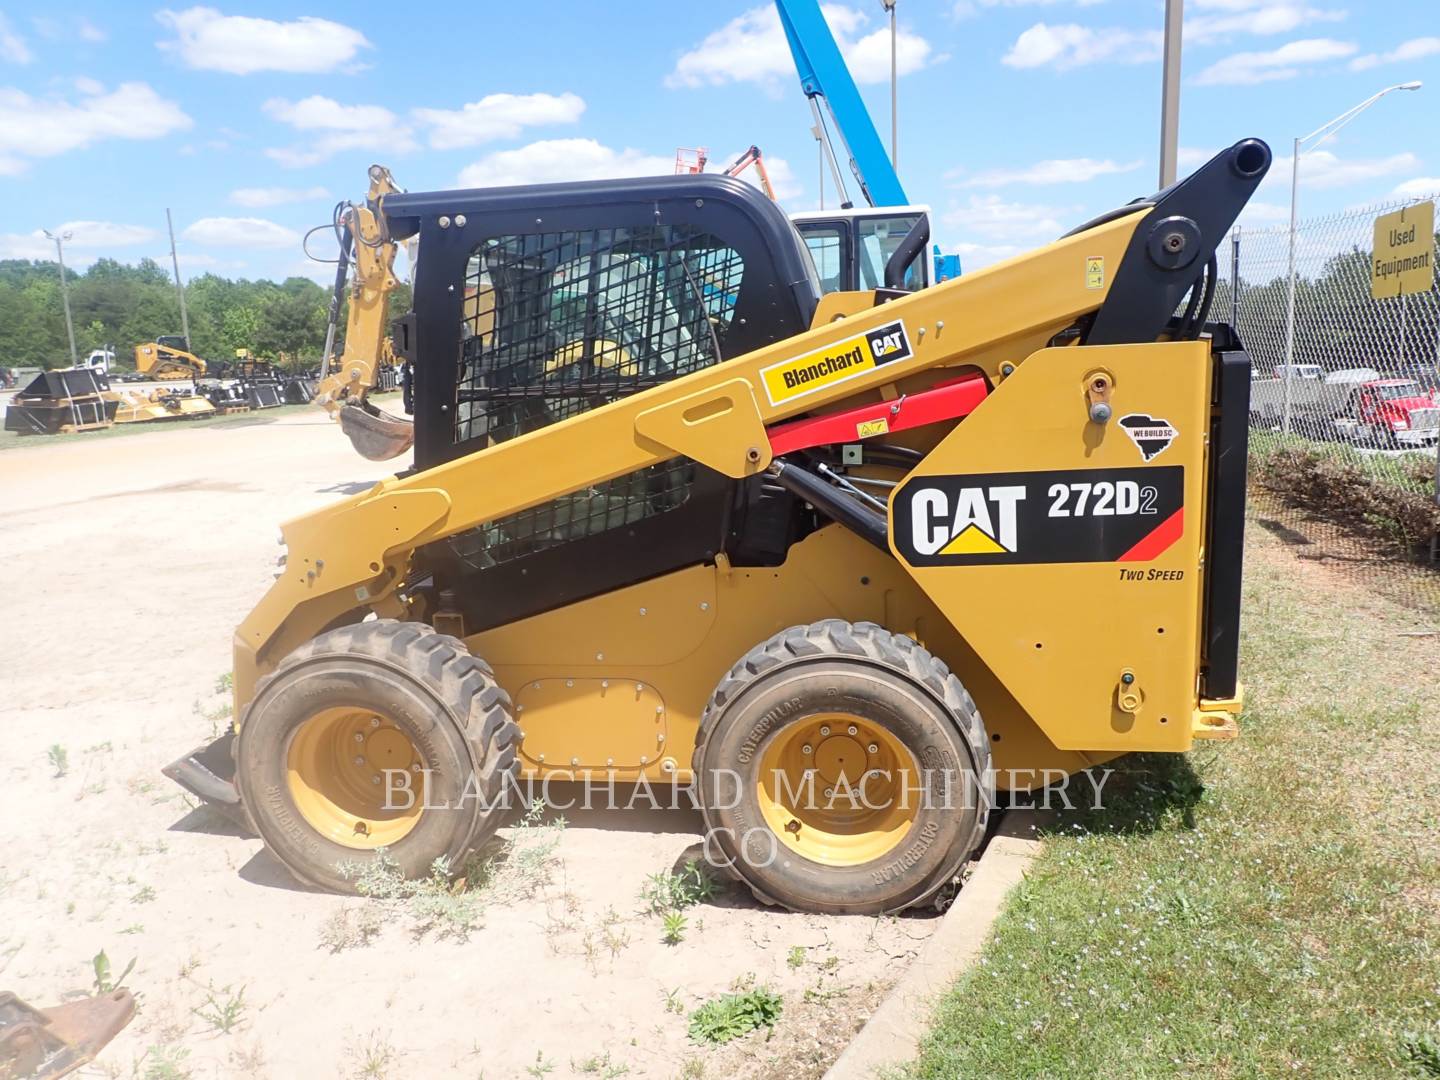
{"x": 850, "y": 247}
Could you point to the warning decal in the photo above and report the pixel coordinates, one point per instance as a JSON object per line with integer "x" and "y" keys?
{"x": 1068, "y": 516}
{"x": 835, "y": 363}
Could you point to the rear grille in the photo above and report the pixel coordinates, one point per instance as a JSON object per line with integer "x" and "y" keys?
{"x": 1424, "y": 419}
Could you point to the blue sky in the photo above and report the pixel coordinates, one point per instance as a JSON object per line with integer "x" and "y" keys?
{"x": 1019, "y": 118}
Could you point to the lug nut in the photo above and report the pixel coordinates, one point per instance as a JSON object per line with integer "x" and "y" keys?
{"x": 375, "y": 779}
{"x": 853, "y": 730}
{"x": 829, "y": 793}
{"x": 825, "y": 729}
{"x": 374, "y": 721}
{"x": 873, "y": 748}
{"x": 807, "y": 749}
{"x": 359, "y": 736}
{"x": 359, "y": 760}
{"x": 415, "y": 768}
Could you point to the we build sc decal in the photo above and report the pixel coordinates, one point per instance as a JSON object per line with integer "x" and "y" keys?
{"x": 839, "y": 362}
{"x": 1063, "y": 516}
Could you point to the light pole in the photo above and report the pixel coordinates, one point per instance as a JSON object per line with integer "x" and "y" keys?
{"x": 889, "y": 6}
{"x": 60, "y": 239}
{"x": 1320, "y": 134}
{"x": 1170, "y": 93}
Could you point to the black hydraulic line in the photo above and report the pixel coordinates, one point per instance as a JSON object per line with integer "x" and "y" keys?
{"x": 832, "y": 502}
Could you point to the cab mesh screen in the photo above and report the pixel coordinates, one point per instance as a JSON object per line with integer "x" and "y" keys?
{"x": 559, "y": 323}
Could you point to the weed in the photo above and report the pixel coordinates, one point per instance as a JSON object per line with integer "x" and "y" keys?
{"x": 451, "y": 904}
{"x": 731, "y": 1015}
{"x": 692, "y": 1069}
{"x": 673, "y": 1004}
{"x": 542, "y": 1065}
{"x": 248, "y": 1060}
{"x": 165, "y": 1062}
{"x": 1422, "y": 1051}
{"x": 104, "y": 983}
{"x": 134, "y": 928}
{"x": 674, "y": 928}
{"x": 669, "y": 891}
{"x": 351, "y": 927}
{"x": 222, "y": 1009}
{"x": 188, "y": 967}
{"x": 225, "y": 683}
{"x": 143, "y": 895}
{"x": 371, "y": 1059}
{"x": 59, "y": 759}
{"x": 795, "y": 958}
{"x": 601, "y": 1065}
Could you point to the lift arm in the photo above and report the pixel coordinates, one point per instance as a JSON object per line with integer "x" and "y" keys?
{"x": 345, "y": 385}
{"x": 751, "y": 157}
{"x": 825, "y": 79}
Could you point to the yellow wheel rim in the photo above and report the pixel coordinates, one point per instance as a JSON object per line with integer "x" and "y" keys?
{"x": 336, "y": 773}
{"x": 838, "y": 789}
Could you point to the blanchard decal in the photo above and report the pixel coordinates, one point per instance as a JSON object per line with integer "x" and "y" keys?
{"x": 1150, "y": 434}
{"x": 823, "y": 368}
{"x": 1066, "y": 516}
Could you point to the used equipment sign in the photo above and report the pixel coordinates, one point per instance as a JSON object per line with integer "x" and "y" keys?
{"x": 1404, "y": 256}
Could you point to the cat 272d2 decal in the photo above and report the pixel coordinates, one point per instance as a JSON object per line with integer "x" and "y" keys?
{"x": 1065, "y": 516}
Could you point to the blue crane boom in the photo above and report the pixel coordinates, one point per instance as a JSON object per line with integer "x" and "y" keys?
{"x": 825, "y": 79}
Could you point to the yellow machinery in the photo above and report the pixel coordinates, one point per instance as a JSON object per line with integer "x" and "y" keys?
{"x": 847, "y": 567}
{"x": 168, "y": 357}
{"x": 137, "y": 407}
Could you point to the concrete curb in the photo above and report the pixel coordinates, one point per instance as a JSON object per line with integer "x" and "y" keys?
{"x": 892, "y": 1035}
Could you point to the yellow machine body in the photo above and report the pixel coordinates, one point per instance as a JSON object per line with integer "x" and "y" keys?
{"x": 167, "y": 362}
{"x": 1070, "y": 662}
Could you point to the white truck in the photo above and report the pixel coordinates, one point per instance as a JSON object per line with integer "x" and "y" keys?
{"x": 1316, "y": 399}
{"x": 100, "y": 360}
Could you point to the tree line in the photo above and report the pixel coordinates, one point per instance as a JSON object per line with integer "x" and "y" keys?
{"x": 123, "y": 305}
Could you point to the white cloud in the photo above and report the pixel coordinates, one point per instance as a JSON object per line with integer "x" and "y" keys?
{"x": 1414, "y": 49}
{"x": 1052, "y": 171}
{"x": 89, "y": 234}
{"x": 751, "y": 48}
{"x": 1421, "y": 185}
{"x": 1257, "y": 213}
{"x": 12, "y": 46}
{"x": 255, "y": 197}
{"x": 87, "y": 31}
{"x": 70, "y": 30}
{"x": 1246, "y": 69}
{"x": 552, "y": 160}
{"x": 992, "y": 217}
{"x": 242, "y": 45}
{"x": 978, "y": 256}
{"x": 39, "y": 127}
{"x": 965, "y": 9}
{"x": 35, "y": 246}
{"x": 1071, "y": 46}
{"x": 242, "y": 232}
{"x": 1254, "y": 17}
{"x": 497, "y": 116}
{"x": 342, "y": 127}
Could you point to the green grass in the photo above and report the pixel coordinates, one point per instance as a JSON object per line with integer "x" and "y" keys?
{"x": 1264, "y": 908}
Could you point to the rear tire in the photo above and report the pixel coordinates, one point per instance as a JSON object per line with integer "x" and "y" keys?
{"x": 829, "y": 701}
{"x": 352, "y": 719}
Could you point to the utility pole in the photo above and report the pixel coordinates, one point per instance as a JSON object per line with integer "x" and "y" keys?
{"x": 1170, "y": 93}
{"x": 179, "y": 286}
{"x": 60, "y": 239}
{"x": 889, "y": 6}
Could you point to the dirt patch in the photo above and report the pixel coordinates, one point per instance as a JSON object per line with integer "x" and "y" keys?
{"x": 128, "y": 609}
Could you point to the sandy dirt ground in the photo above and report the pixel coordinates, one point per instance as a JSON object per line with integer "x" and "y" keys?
{"x": 129, "y": 561}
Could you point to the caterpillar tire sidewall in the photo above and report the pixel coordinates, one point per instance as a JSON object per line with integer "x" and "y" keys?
{"x": 454, "y": 811}
{"x": 940, "y": 838}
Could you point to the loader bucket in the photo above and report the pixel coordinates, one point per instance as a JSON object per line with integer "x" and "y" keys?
{"x": 377, "y": 436}
{"x": 208, "y": 772}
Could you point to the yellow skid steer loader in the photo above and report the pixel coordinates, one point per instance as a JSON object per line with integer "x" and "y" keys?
{"x": 847, "y": 565}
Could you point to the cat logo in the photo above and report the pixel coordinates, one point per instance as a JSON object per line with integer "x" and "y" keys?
{"x": 837, "y": 362}
{"x": 975, "y": 521}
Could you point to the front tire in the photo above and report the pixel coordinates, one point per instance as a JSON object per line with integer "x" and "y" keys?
{"x": 843, "y": 769}
{"x": 353, "y": 720}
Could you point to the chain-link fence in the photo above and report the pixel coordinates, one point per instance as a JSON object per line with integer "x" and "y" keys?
{"x": 1345, "y": 407}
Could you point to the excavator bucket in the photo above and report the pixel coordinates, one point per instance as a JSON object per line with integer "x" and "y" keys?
{"x": 376, "y": 435}
{"x": 44, "y": 1044}
{"x": 208, "y": 772}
